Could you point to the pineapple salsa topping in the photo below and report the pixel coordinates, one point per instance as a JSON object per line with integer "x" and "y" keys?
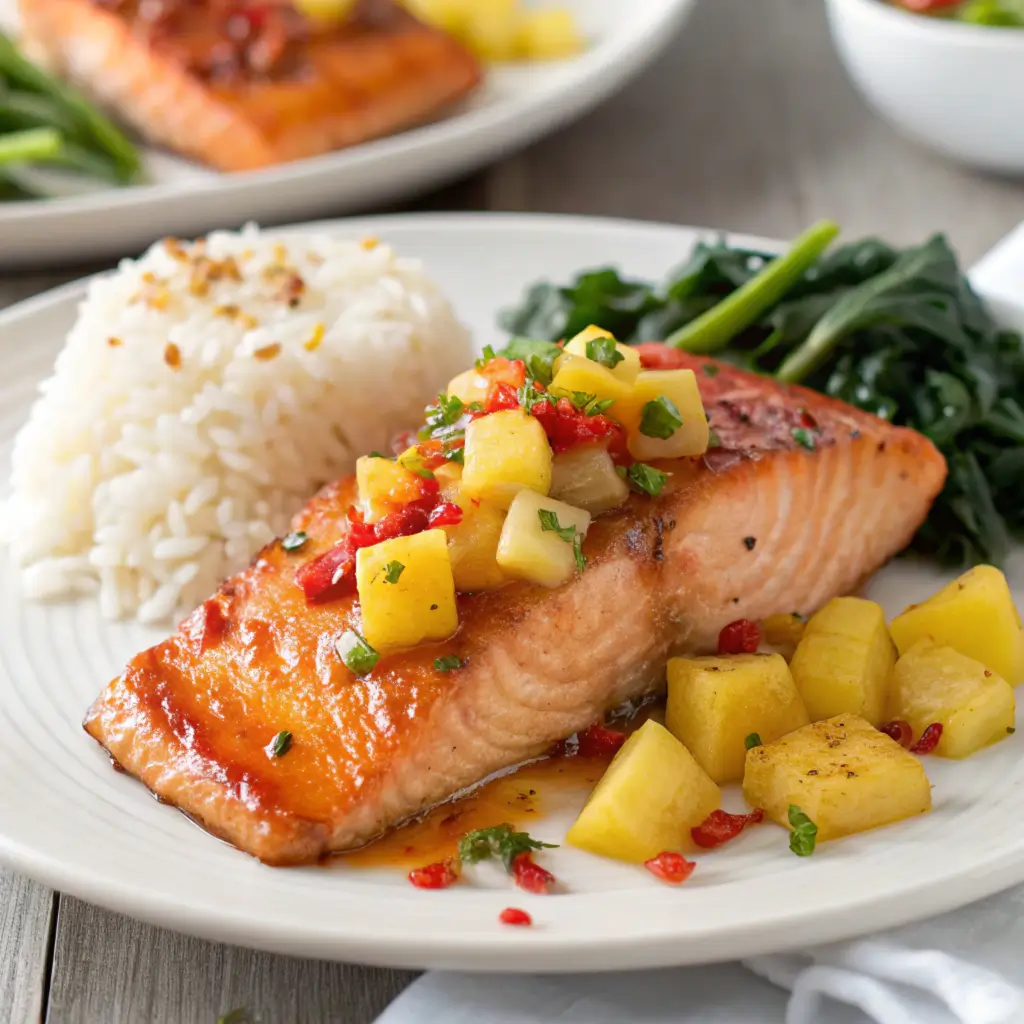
{"x": 501, "y": 483}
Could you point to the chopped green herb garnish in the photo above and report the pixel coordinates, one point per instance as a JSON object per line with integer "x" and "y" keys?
{"x": 445, "y": 413}
{"x": 581, "y": 399}
{"x": 280, "y": 744}
{"x": 413, "y": 462}
{"x": 605, "y": 352}
{"x": 804, "y": 836}
{"x": 528, "y": 396}
{"x": 599, "y": 406}
{"x": 294, "y": 541}
{"x": 475, "y": 407}
{"x": 753, "y": 740}
{"x": 376, "y": 455}
{"x": 539, "y": 370}
{"x": 714, "y": 441}
{"x": 498, "y": 841}
{"x": 449, "y": 663}
{"x": 646, "y": 479}
{"x": 577, "y": 551}
{"x": 357, "y": 655}
{"x": 488, "y": 355}
{"x": 710, "y": 370}
{"x": 660, "y": 418}
{"x": 804, "y": 438}
{"x": 393, "y": 572}
{"x": 549, "y": 524}
{"x": 454, "y": 454}
{"x": 538, "y": 356}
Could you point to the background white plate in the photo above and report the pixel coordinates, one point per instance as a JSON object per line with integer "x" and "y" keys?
{"x": 516, "y": 105}
{"x": 69, "y": 820}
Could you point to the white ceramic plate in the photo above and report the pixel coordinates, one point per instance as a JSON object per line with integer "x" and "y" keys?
{"x": 69, "y": 820}
{"x": 517, "y": 104}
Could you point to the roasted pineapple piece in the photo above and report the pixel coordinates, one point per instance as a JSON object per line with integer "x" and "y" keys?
{"x": 406, "y": 591}
{"x": 843, "y": 773}
{"x": 784, "y": 632}
{"x": 650, "y": 797}
{"x": 585, "y": 476}
{"x": 974, "y": 615}
{"x": 667, "y": 419}
{"x": 384, "y": 485}
{"x": 844, "y": 661}
{"x": 626, "y": 367}
{"x": 714, "y": 704}
{"x": 473, "y": 543}
{"x": 974, "y": 705}
{"x": 540, "y": 539}
{"x": 505, "y": 453}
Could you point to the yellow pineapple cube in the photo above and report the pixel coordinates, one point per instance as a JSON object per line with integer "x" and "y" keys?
{"x": 625, "y": 370}
{"x": 549, "y": 34}
{"x": 843, "y": 773}
{"x": 585, "y": 476}
{"x": 784, "y": 632}
{"x": 505, "y": 453}
{"x": 473, "y": 543}
{"x": 383, "y": 486}
{"x": 974, "y": 705}
{"x": 714, "y": 704}
{"x": 493, "y": 30}
{"x": 450, "y": 15}
{"x": 650, "y": 797}
{"x": 974, "y": 615}
{"x": 658, "y": 395}
{"x": 844, "y": 661}
{"x": 538, "y": 539}
{"x": 406, "y": 591}
{"x": 575, "y": 373}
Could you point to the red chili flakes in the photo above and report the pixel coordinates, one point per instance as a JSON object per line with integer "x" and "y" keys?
{"x": 721, "y": 826}
{"x": 673, "y": 868}
{"x": 515, "y": 916}
{"x": 597, "y": 741}
{"x": 929, "y": 739}
{"x": 435, "y": 876}
{"x": 172, "y": 355}
{"x": 530, "y": 876}
{"x": 739, "y": 637}
{"x": 898, "y": 730}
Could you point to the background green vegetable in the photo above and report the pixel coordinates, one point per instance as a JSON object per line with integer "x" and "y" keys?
{"x": 898, "y": 333}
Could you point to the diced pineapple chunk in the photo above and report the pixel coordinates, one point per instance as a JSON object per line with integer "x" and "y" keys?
{"x": 549, "y": 34}
{"x": 650, "y": 797}
{"x": 843, "y": 773}
{"x": 530, "y": 550}
{"x": 451, "y": 15}
{"x": 974, "y": 615}
{"x": 844, "y": 662}
{"x": 974, "y": 705}
{"x": 680, "y": 388}
{"x": 784, "y": 632}
{"x": 585, "y": 476}
{"x": 492, "y": 31}
{"x": 473, "y": 543}
{"x": 469, "y": 386}
{"x": 383, "y": 486}
{"x": 449, "y": 476}
{"x": 626, "y": 370}
{"x": 576, "y": 373}
{"x": 714, "y": 704}
{"x": 505, "y": 452}
{"x": 404, "y": 606}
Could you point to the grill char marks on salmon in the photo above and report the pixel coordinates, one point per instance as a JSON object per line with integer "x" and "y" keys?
{"x": 191, "y": 717}
{"x": 242, "y": 86}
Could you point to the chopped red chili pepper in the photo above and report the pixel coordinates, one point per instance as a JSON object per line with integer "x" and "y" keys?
{"x": 445, "y": 514}
{"x": 433, "y": 452}
{"x": 435, "y": 876}
{"x": 670, "y": 867}
{"x": 929, "y": 739}
{"x": 721, "y": 826}
{"x": 898, "y": 730}
{"x": 567, "y": 426}
{"x": 597, "y": 741}
{"x": 513, "y": 915}
{"x": 500, "y": 397}
{"x": 807, "y": 420}
{"x": 739, "y": 637}
{"x": 500, "y": 370}
{"x": 330, "y": 575}
{"x": 530, "y": 876}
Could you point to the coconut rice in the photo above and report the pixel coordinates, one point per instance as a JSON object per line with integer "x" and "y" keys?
{"x": 205, "y": 392}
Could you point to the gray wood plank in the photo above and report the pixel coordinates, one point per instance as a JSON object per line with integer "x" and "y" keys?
{"x": 749, "y": 123}
{"x": 26, "y": 918}
{"x": 109, "y": 968}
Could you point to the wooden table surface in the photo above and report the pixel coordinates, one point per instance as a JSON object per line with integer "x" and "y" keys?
{"x": 746, "y": 123}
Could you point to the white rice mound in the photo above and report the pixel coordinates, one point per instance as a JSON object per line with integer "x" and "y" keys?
{"x": 204, "y": 394}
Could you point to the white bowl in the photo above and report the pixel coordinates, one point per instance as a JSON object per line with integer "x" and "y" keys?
{"x": 956, "y": 87}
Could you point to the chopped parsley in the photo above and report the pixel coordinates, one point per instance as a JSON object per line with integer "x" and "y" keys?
{"x": 280, "y": 744}
{"x": 454, "y": 454}
{"x": 488, "y": 355}
{"x": 577, "y": 551}
{"x": 710, "y": 370}
{"x": 413, "y": 462}
{"x": 589, "y": 404}
{"x": 376, "y": 455}
{"x": 605, "y": 352}
{"x": 599, "y": 406}
{"x": 294, "y": 541}
{"x": 549, "y": 524}
{"x": 804, "y": 836}
{"x": 443, "y": 415}
{"x": 538, "y": 356}
{"x": 498, "y": 841}
{"x": 714, "y": 441}
{"x": 753, "y": 740}
{"x": 646, "y": 479}
{"x": 393, "y": 571}
{"x": 449, "y": 663}
{"x": 356, "y": 654}
{"x": 528, "y": 396}
{"x": 804, "y": 438}
{"x": 661, "y": 418}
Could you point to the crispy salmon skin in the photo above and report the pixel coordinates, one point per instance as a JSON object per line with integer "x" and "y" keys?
{"x": 243, "y": 85}
{"x": 761, "y": 524}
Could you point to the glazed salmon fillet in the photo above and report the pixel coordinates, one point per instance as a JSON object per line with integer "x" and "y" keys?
{"x": 758, "y": 525}
{"x": 243, "y": 85}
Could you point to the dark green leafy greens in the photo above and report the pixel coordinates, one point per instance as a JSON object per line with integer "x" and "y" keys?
{"x": 900, "y": 334}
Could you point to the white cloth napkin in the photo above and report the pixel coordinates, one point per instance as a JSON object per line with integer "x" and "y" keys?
{"x": 966, "y": 967}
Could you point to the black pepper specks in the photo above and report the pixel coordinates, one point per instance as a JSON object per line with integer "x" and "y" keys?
{"x": 750, "y": 543}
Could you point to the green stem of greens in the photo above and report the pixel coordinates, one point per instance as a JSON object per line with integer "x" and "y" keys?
{"x": 34, "y": 144}
{"x": 719, "y": 325}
